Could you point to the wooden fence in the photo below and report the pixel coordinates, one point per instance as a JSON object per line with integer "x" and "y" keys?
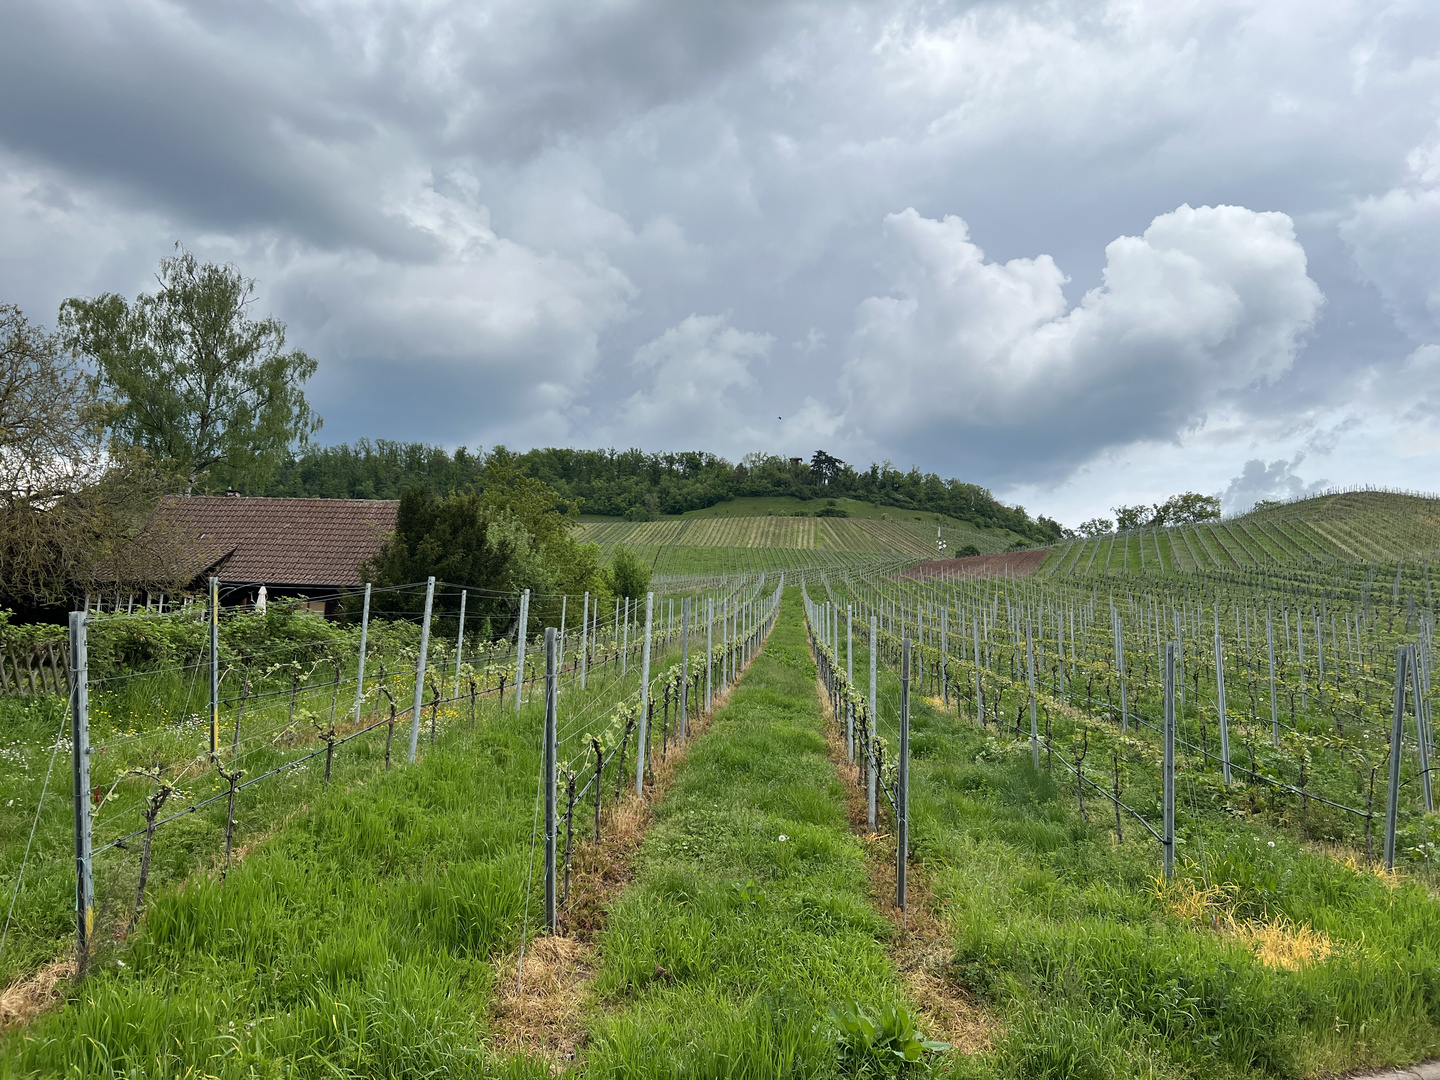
{"x": 35, "y": 669}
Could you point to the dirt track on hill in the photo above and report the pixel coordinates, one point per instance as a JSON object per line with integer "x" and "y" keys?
{"x": 1010, "y": 564}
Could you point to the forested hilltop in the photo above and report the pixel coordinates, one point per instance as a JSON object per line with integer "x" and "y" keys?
{"x": 631, "y": 483}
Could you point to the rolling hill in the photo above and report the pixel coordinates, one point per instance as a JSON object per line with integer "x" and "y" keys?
{"x": 1339, "y": 527}
{"x": 781, "y": 532}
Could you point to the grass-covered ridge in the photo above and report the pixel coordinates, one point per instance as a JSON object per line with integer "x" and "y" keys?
{"x": 786, "y": 533}
{"x": 1345, "y": 527}
{"x": 616, "y": 483}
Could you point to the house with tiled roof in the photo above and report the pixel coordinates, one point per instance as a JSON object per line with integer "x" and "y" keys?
{"x": 312, "y": 549}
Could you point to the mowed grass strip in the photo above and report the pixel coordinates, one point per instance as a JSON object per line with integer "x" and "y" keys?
{"x": 749, "y": 916}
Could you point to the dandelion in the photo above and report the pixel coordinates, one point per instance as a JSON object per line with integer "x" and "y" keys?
{"x": 783, "y": 838}
{"x": 1272, "y": 843}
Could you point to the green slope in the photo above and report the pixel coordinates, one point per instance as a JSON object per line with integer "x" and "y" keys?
{"x": 1346, "y": 527}
{"x": 784, "y": 532}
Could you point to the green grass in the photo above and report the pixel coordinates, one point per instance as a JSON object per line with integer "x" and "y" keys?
{"x": 785, "y": 505}
{"x": 1093, "y": 970}
{"x": 357, "y": 938}
{"x": 358, "y": 935}
{"x": 759, "y": 506}
{"x": 141, "y": 719}
{"x": 749, "y": 917}
{"x": 751, "y": 540}
{"x": 361, "y": 938}
{"x": 677, "y": 561}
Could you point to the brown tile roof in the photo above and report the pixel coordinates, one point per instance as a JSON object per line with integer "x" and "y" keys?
{"x": 279, "y": 541}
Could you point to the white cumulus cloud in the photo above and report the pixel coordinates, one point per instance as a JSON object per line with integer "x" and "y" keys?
{"x": 1394, "y": 238}
{"x": 691, "y": 372}
{"x": 1208, "y": 302}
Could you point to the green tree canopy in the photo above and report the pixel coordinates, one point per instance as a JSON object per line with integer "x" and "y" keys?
{"x": 637, "y": 485}
{"x": 1130, "y": 517}
{"x": 456, "y": 541}
{"x": 67, "y": 509}
{"x": 492, "y": 545}
{"x": 628, "y": 575}
{"x": 1186, "y": 509}
{"x": 190, "y": 378}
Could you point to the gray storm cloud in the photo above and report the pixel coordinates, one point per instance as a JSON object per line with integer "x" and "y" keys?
{"x": 1261, "y": 481}
{"x": 543, "y": 222}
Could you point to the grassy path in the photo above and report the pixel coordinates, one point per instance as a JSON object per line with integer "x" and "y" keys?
{"x": 750, "y": 914}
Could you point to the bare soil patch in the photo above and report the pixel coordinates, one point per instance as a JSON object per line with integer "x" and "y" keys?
{"x": 1009, "y": 564}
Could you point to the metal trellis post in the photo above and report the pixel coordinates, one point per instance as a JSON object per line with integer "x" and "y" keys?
{"x": 1274, "y": 709}
{"x": 364, "y": 637}
{"x": 1220, "y": 708}
{"x": 1167, "y": 838}
{"x": 1030, "y": 668}
{"x": 80, "y": 739}
{"x": 420, "y": 670}
{"x": 584, "y": 637}
{"x": 214, "y": 666}
{"x": 902, "y": 787}
{"x": 640, "y": 742}
{"x": 870, "y": 763}
{"x": 944, "y": 655}
{"x": 551, "y": 818}
{"x": 1120, "y": 665}
{"x": 520, "y": 635}
{"x": 1416, "y": 681}
{"x": 683, "y": 728}
{"x": 1397, "y": 740}
{"x": 849, "y": 681}
{"x": 460, "y": 641}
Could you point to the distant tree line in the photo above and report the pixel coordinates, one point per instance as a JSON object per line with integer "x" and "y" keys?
{"x": 629, "y": 483}
{"x": 1188, "y": 508}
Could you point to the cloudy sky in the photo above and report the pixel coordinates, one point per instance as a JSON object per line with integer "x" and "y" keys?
{"x": 1081, "y": 252}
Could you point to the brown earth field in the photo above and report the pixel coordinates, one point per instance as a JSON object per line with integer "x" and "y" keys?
{"x": 1011, "y": 564}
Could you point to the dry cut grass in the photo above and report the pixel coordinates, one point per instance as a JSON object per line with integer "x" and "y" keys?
{"x": 1276, "y": 942}
{"x": 31, "y": 994}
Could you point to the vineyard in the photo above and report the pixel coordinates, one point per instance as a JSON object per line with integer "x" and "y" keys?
{"x": 1257, "y": 758}
{"x": 1356, "y": 526}
{"x": 897, "y": 534}
{"x": 802, "y": 811}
